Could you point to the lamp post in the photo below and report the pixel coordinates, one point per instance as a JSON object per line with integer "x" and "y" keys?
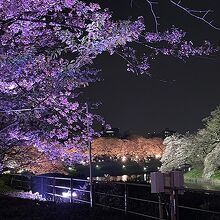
{"x": 90, "y": 160}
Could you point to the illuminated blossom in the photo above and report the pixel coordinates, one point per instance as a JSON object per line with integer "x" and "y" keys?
{"x": 47, "y": 50}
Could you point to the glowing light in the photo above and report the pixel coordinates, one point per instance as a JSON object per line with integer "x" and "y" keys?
{"x": 98, "y": 178}
{"x": 97, "y": 166}
{"x": 124, "y": 178}
{"x": 12, "y": 86}
{"x": 74, "y": 194}
{"x": 6, "y": 172}
{"x": 82, "y": 162}
{"x": 68, "y": 194}
{"x": 123, "y": 158}
{"x": 20, "y": 171}
{"x": 123, "y": 166}
{"x": 145, "y": 168}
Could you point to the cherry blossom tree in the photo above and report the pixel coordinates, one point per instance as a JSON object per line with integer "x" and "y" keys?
{"x": 35, "y": 162}
{"x": 47, "y": 50}
{"x": 178, "y": 151}
{"x": 200, "y": 150}
{"x": 136, "y": 147}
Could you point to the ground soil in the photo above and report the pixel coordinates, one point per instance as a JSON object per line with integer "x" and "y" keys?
{"x": 24, "y": 209}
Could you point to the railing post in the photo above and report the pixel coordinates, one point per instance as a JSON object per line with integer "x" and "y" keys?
{"x": 54, "y": 190}
{"x": 126, "y": 199}
{"x": 94, "y": 189}
{"x": 31, "y": 183}
{"x": 91, "y": 194}
{"x": 172, "y": 205}
{"x": 177, "y": 204}
{"x": 42, "y": 186}
{"x": 160, "y": 207}
{"x": 11, "y": 180}
{"x": 71, "y": 190}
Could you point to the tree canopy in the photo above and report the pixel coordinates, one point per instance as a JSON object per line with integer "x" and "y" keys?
{"x": 47, "y": 50}
{"x": 200, "y": 150}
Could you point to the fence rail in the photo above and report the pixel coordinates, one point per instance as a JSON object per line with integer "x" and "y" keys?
{"x": 133, "y": 198}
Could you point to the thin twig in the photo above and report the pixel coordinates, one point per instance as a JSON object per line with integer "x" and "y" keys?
{"x": 20, "y": 110}
{"x": 154, "y": 15}
{"x": 193, "y": 14}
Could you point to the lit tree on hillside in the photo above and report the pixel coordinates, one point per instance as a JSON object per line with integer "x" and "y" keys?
{"x": 201, "y": 150}
{"x": 135, "y": 148}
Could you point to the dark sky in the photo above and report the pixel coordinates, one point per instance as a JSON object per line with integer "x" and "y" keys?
{"x": 178, "y": 95}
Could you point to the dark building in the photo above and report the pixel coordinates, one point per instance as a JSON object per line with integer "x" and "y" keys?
{"x": 163, "y": 134}
{"x": 111, "y": 132}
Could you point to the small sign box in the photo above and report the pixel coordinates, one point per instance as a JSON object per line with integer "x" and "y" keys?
{"x": 166, "y": 182}
{"x": 157, "y": 182}
{"x": 178, "y": 179}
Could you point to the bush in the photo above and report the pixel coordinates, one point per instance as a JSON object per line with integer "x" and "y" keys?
{"x": 5, "y": 184}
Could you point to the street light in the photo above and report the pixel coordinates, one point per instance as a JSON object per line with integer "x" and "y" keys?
{"x": 123, "y": 158}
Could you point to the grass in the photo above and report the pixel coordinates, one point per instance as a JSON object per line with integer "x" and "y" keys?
{"x": 194, "y": 173}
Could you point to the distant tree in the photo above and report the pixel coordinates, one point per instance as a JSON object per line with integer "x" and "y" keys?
{"x": 135, "y": 147}
{"x": 177, "y": 152}
{"x": 200, "y": 150}
{"x": 206, "y": 142}
{"x": 212, "y": 162}
{"x": 18, "y": 159}
{"x": 212, "y": 127}
{"x": 210, "y": 143}
{"x": 47, "y": 49}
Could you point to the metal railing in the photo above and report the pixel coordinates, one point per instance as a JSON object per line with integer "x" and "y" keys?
{"x": 132, "y": 198}
{"x": 20, "y": 181}
{"x": 69, "y": 189}
{"x": 124, "y": 199}
{"x": 197, "y": 210}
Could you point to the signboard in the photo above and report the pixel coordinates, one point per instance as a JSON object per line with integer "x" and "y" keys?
{"x": 157, "y": 182}
{"x": 167, "y": 182}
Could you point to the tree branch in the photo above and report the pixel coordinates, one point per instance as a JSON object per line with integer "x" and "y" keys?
{"x": 198, "y": 14}
{"x": 153, "y": 13}
{"x": 20, "y": 110}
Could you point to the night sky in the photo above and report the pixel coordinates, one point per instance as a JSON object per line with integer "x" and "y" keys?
{"x": 178, "y": 95}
